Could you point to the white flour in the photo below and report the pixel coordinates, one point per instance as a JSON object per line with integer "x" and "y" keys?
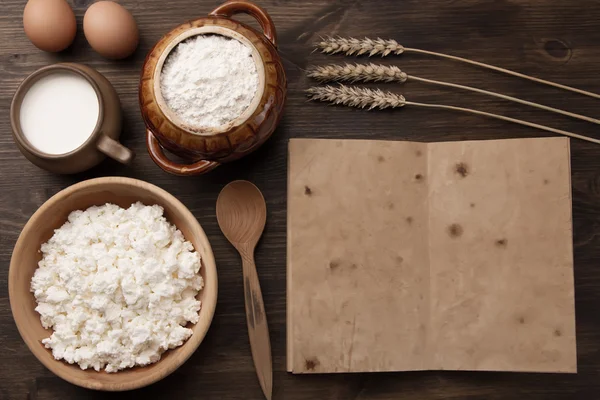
{"x": 209, "y": 80}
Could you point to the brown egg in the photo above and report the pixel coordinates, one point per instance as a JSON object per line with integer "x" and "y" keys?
{"x": 49, "y": 24}
{"x": 110, "y": 29}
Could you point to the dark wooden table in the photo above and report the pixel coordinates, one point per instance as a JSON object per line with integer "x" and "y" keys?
{"x": 552, "y": 39}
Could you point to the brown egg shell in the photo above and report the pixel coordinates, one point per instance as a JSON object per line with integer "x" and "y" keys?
{"x": 111, "y": 30}
{"x": 49, "y": 24}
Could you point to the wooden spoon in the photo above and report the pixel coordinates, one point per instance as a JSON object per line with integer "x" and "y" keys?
{"x": 242, "y": 213}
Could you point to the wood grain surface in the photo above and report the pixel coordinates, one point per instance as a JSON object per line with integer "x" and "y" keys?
{"x": 552, "y": 39}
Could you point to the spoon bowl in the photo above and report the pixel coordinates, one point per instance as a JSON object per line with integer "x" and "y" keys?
{"x": 241, "y": 213}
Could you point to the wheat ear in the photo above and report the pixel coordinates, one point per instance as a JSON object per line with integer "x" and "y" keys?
{"x": 356, "y": 73}
{"x": 385, "y": 73}
{"x": 352, "y": 46}
{"x": 371, "y": 99}
{"x": 355, "y": 96}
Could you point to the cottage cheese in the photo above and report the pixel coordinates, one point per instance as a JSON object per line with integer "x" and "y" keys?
{"x": 117, "y": 286}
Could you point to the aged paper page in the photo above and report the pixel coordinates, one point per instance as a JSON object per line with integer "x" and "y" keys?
{"x": 502, "y": 291}
{"x": 357, "y": 256}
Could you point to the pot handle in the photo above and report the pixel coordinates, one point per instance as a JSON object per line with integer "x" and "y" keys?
{"x": 158, "y": 156}
{"x": 232, "y": 7}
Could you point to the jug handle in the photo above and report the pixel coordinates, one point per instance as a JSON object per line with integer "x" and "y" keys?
{"x": 114, "y": 149}
{"x": 232, "y": 7}
{"x": 158, "y": 156}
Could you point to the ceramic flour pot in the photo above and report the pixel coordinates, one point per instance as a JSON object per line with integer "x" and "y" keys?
{"x": 206, "y": 148}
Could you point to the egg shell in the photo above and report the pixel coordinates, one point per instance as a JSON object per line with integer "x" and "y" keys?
{"x": 49, "y": 24}
{"x": 110, "y": 29}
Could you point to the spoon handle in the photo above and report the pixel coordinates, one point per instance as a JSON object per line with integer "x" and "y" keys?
{"x": 258, "y": 330}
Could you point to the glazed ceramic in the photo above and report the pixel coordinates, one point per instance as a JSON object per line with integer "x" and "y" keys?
{"x": 207, "y": 148}
{"x": 102, "y": 142}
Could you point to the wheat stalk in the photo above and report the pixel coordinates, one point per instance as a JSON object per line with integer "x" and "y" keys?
{"x": 383, "y": 73}
{"x": 354, "y": 96}
{"x": 352, "y": 46}
{"x": 356, "y": 73}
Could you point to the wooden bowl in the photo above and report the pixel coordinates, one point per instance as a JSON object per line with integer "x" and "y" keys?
{"x": 206, "y": 148}
{"x": 52, "y": 215}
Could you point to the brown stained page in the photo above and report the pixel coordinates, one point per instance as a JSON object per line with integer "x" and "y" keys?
{"x": 411, "y": 256}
